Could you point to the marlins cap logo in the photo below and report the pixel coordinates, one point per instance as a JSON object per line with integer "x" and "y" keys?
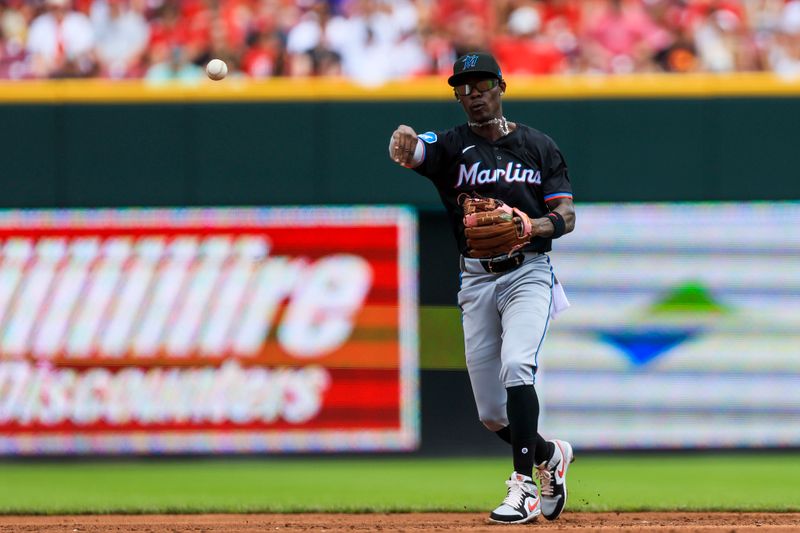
{"x": 470, "y": 61}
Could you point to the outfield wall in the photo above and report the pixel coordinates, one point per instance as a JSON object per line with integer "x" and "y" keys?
{"x": 663, "y": 139}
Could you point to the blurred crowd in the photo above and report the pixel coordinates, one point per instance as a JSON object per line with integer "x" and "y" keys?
{"x": 373, "y": 41}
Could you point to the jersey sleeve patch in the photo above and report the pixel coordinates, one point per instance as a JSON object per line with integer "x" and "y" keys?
{"x": 428, "y": 137}
{"x": 557, "y": 195}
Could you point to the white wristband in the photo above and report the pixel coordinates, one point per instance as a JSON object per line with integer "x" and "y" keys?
{"x": 419, "y": 154}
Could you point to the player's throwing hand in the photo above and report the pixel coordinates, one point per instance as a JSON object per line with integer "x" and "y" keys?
{"x": 403, "y": 145}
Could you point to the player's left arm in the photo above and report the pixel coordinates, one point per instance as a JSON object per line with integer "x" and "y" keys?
{"x": 546, "y": 226}
{"x": 557, "y": 192}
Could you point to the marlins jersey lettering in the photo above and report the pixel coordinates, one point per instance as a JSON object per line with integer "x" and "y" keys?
{"x": 525, "y": 169}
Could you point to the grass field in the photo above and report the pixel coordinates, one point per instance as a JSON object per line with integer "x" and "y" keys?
{"x": 596, "y": 483}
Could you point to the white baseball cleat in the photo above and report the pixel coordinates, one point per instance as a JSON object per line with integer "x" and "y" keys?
{"x": 522, "y": 503}
{"x": 553, "y": 475}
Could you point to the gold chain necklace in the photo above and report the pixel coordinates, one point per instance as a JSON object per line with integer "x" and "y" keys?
{"x": 501, "y": 121}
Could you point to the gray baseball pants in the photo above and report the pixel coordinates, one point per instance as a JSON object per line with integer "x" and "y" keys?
{"x": 505, "y": 318}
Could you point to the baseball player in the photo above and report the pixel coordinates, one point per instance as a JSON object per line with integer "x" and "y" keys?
{"x": 507, "y": 192}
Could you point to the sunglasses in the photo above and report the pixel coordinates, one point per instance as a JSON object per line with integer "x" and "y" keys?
{"x": 481, "y": 86}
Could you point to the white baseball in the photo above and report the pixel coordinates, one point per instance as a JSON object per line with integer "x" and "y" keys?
{"x": 216, "y": 69}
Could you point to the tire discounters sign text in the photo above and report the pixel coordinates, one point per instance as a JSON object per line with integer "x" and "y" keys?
{"x": 208, "y": 330}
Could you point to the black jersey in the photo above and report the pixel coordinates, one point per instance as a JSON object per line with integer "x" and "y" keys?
{"x": 524, "y": 169}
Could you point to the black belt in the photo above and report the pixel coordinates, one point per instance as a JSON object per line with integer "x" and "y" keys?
{"x": 498, "y": 265}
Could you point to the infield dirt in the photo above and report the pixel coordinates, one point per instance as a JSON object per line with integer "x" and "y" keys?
{"x": 584, "y": 522}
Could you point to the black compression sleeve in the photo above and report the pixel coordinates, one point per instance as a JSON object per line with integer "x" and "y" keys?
{"x": 559, "y": 226}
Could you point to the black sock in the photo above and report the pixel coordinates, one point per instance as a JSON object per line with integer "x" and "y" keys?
{"x": 544, "y": 450}
{"x": 523, "y": 418}
{"x": 504, "y": 434}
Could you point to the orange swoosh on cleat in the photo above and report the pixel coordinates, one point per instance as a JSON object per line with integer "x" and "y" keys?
{"x": 563, "y": 461}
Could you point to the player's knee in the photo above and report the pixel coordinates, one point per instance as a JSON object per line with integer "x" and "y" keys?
{"x": 494, "y": 417}
{"x": 494, "y": 424}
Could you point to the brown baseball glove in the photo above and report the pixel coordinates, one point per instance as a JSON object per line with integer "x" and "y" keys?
{"x": 494, "y": 228}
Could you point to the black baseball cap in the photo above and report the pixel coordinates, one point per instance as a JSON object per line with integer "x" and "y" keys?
{"x": 474, "y": 63}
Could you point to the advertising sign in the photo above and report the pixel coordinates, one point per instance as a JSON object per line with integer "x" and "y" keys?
{"x": 684, "y": 328}
{"x": 208, "y": 330}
